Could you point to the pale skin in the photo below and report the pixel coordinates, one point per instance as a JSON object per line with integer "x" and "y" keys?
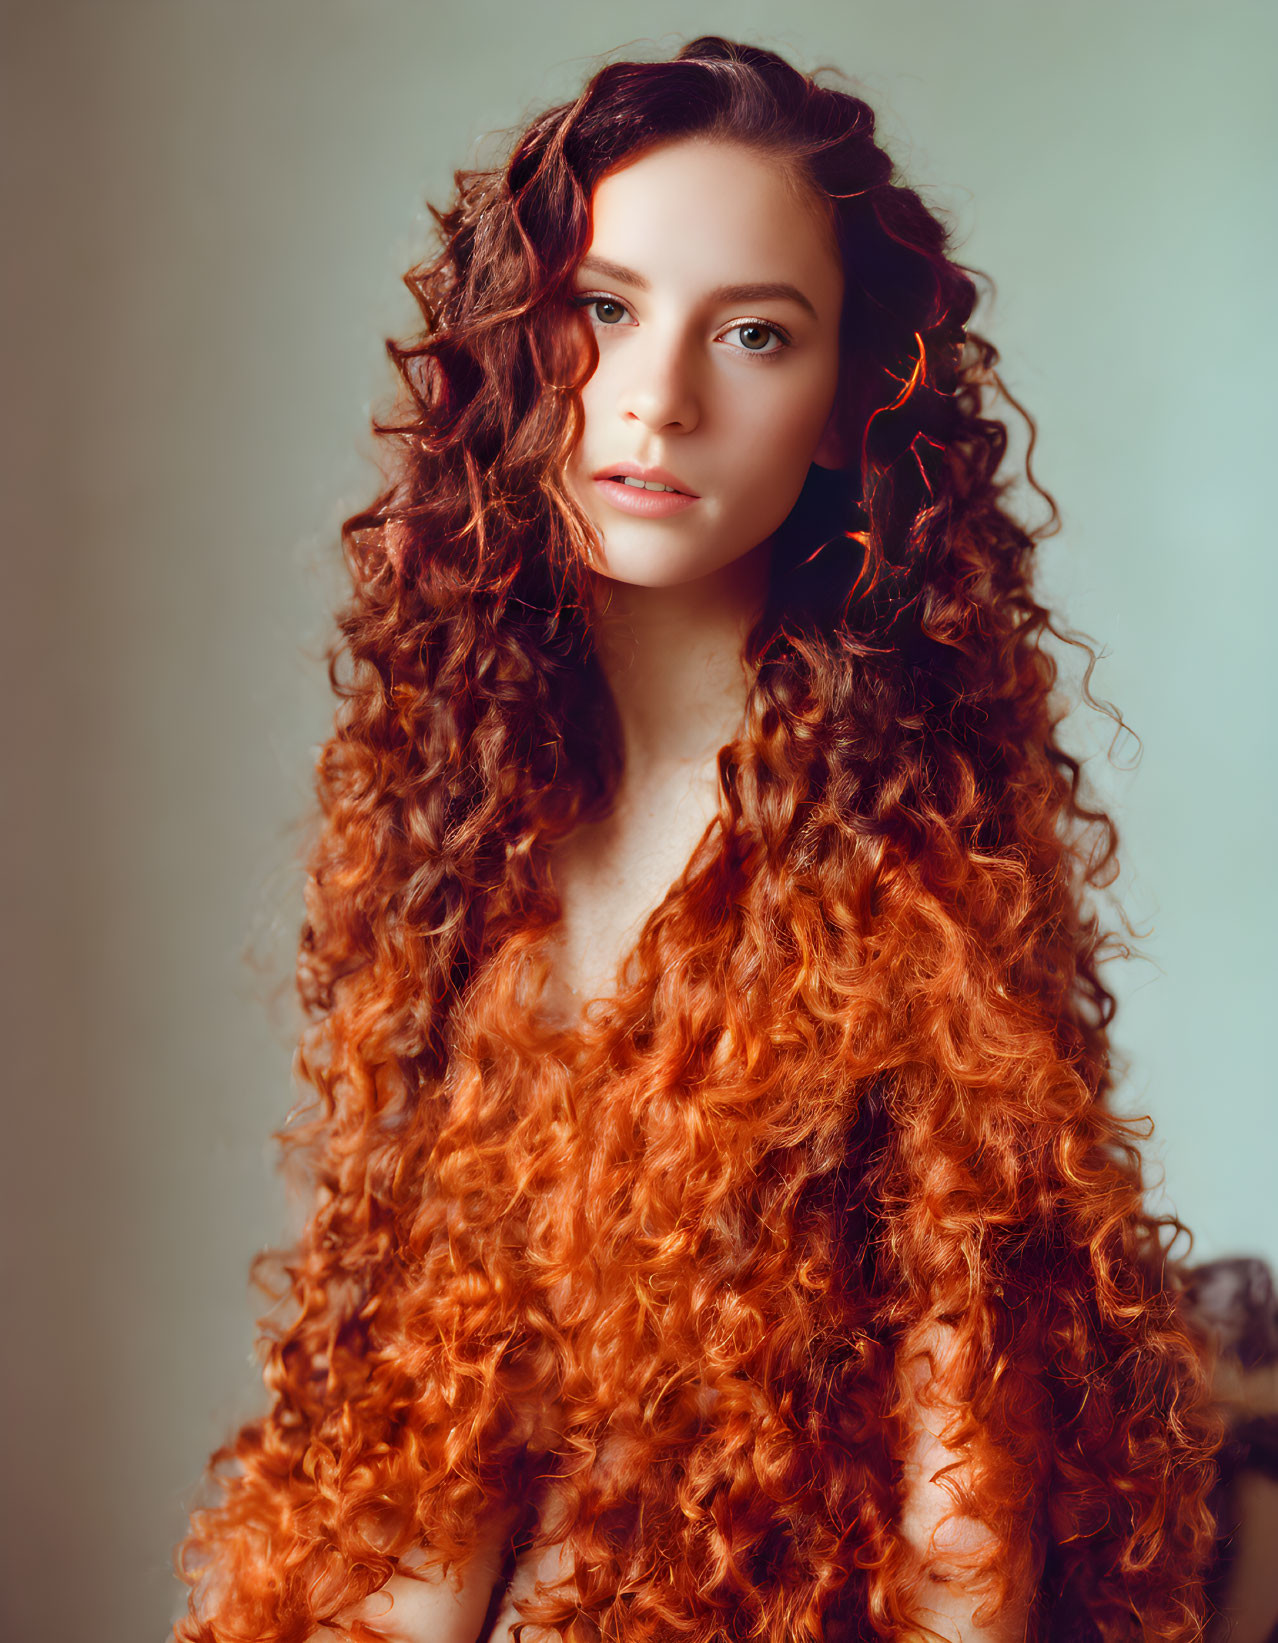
{"x": 679, "y": 386}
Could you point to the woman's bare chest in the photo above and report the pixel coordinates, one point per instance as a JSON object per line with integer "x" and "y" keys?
{"x": 612, "y": 875}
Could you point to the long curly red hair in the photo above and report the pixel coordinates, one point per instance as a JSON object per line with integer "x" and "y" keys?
{"x": 853, "y": 1086}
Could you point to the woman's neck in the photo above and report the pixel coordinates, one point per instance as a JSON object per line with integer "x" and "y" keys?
{"x": 673, "y": 660}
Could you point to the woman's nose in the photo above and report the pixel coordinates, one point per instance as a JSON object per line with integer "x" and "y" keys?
{"x": 660, "y": 390}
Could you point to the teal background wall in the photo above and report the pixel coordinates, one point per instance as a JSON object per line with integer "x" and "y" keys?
{"x": 210, "y": 206}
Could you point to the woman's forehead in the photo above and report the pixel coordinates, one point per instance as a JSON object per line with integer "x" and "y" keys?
{"x": 716, "y": 213}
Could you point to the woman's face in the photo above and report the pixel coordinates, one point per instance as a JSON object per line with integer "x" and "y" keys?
{"x": 714, "y": 290}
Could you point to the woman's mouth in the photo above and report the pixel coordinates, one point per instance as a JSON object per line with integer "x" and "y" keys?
{"x": 656, "y": 503}
{"x": 648, "y": 493}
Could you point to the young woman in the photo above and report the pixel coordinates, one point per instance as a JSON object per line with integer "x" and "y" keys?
{"x": 719, "y": 1231}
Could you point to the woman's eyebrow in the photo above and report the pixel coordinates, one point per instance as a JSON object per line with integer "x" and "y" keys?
{"x": 769, "y": 291}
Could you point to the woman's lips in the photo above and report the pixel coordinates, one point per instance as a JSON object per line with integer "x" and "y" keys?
{"x": 644, "y": 503}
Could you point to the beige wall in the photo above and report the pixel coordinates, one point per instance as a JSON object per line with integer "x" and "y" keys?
{"x": 212, "y": 204}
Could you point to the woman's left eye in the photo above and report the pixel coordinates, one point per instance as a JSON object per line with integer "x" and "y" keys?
{"x": 755, "y": 336}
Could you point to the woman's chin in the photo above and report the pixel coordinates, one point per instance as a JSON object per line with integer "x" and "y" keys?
{"x": 656, "y": 571}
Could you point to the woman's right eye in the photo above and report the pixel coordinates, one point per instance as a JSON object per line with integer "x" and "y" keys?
{"x": 608, "y": 311}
